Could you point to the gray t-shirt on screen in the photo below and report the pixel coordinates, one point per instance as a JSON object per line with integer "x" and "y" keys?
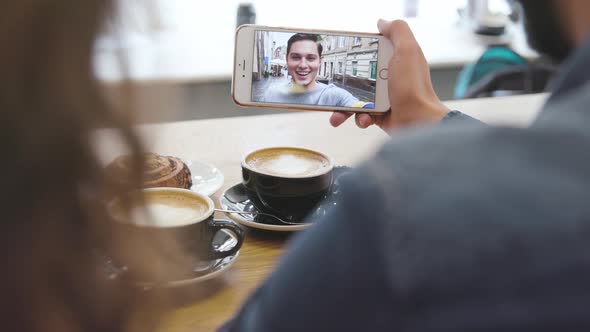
{"x": 322, "y": 95}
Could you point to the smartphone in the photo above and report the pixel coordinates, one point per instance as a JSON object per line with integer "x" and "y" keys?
{"x": 314, "y": 70}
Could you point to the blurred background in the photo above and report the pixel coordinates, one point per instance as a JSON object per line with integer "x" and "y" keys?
{"x": 179, "y": 53}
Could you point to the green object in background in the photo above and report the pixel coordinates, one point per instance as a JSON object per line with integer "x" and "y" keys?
{"x": 493, "y": 60}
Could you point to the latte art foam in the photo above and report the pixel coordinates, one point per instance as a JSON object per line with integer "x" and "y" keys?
{"x": 161, "y": 210}
{"x": 288, "y": 162}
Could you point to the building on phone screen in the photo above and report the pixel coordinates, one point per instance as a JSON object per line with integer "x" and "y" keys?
{"x": 350, "y": 63}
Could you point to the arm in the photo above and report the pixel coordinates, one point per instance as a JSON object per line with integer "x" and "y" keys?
{"x": 456, "y": 116}
{"x": 346, "y": 98}
{"x": 331, "y": 279}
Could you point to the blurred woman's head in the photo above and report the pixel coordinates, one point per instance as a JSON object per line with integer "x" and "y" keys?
{"x": 53, "y": 184}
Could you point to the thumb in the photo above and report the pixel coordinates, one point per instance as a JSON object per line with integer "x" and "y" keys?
{"x": 397, "y": 31}
{"x": 384, "y": 27}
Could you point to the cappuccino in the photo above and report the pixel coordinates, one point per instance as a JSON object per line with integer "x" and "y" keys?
{"x": 164, "y": 209}
{"x": 288, "y": 162}
{"x": 157, "y": 216}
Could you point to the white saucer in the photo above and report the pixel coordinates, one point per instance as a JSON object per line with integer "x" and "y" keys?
{"x": 207, "y": 179}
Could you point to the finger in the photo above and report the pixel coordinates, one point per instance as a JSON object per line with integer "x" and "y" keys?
{"x": 384, "y": 27}
{"x": 363, "y": 120}
{"x": 339, "y": 118}
{"x": 398, "y": 32}
{"x": 380, "y": 118}
{"x": 401, "y": 35}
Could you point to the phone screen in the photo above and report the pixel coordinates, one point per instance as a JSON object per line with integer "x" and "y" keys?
{"x": 314, "y": 69}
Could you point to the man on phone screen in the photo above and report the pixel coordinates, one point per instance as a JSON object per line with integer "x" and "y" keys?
{"x": 304, "y": 54}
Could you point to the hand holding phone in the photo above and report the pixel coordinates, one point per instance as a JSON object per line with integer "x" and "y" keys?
{"x": 316, "y": 70}
{"x": 411, "y": 94}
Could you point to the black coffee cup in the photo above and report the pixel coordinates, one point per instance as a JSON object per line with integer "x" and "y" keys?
{"x": 175, "y": 216}
{"x": 287, "y": 181}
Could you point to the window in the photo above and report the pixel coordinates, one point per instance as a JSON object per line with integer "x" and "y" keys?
{"x": 357, "y": 41}
{"x": 373, "y": 72}
{"x": 341, "y": 42}
{"x": 340, "y": 67}
{"x": 355, "y": 65}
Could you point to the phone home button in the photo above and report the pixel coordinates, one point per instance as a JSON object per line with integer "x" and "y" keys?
{"x": 384, "y": 74}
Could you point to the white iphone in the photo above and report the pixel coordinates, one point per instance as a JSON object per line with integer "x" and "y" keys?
{"x": 315, "y": 70}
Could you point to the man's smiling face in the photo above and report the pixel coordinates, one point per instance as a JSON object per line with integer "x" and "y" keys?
{"x": 304, "y": 62}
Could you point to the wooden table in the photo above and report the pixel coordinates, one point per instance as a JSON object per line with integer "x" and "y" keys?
{"x": 223, "y": 142}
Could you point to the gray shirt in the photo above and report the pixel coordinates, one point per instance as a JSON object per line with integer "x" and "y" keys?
{"x": 322, "y": 95}
{"x": 459, "y": 227}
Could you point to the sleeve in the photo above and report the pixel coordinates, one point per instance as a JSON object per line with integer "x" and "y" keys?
{"x": 348, "y": 99}
{"x": 343, "y": 97}
{"x": 457, "y": 117}
{"x": 331, "y": 279}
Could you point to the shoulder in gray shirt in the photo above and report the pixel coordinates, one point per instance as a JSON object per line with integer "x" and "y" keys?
{"x": 322, "y": 95}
